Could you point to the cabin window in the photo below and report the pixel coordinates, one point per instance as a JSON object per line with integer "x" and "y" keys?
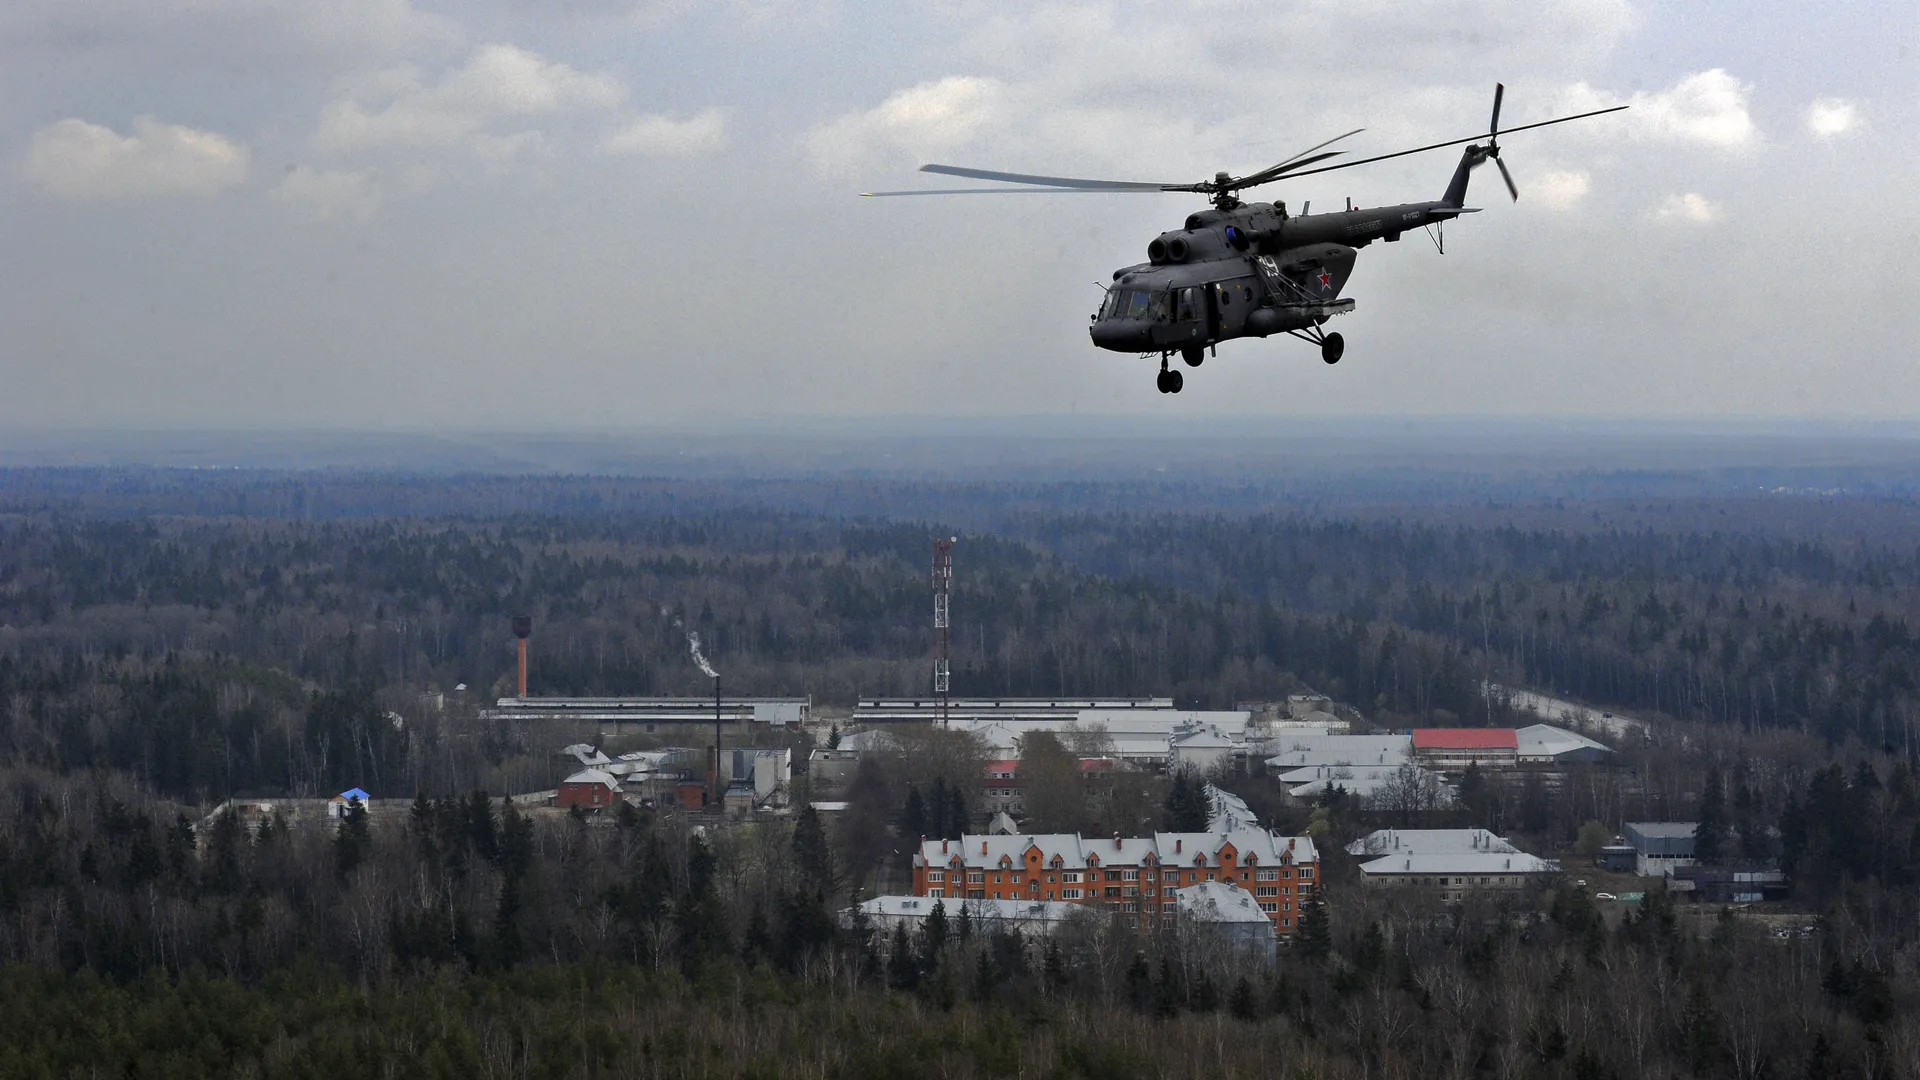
{"x": 1189, "y": 305}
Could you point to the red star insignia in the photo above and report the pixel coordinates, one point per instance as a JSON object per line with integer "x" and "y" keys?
{"x": 1326, "y": 280}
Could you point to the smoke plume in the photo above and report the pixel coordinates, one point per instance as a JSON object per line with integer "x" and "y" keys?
{"x": 693, "y": 643}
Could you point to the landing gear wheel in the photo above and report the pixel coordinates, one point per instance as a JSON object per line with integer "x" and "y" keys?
{"x": 1193, "y": 355}
{"x": 1160, "y": 381}
{"x": 1174, "y": 380}
{"x": 1332, "y": 347}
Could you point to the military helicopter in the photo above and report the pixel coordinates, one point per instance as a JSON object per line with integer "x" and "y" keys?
{"x": 1251, "y": 269}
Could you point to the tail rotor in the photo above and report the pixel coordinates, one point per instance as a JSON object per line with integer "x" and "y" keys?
{"x": 1493, "y": 140}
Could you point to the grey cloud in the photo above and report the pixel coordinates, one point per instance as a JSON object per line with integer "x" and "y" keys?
{"x": 228, "y": 33}
{"x": 80, "y": 161}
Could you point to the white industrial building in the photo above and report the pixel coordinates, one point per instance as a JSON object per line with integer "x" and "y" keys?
{"x": 1227, "y": 812}
{"x": 978, "y": 710}
{"x": 647, "y": 716}
{"x": 1544, "y": 744}
{"x": 1361, "y": 781}
{"x": 1299, "y": 750}
{"x": 1661, "y": 847}
{"x": 1029, "y": 917}
{"x": 1216, "y": 916}
{"x": 1431, "y": 842}
{"x": 1203, "y": 750}
{"x": 1144, "y": 738}
{"x": 760, "y": 774}
{"x": 1455, "y": 874}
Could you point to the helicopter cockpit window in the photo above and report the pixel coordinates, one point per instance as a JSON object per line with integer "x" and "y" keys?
{"x": 1187, "y": 305}
{"x": 1111, "y": 305}
{"x": 1139, "y": 304}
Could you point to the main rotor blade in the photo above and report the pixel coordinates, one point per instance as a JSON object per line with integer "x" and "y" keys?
{"x": 1010, "y": 191}
{"x": 1275, "y": 172}
{"x": 1493, "y": 126}
{"x": 1320, "y": 146}
{"x": 1455, "y": 142}
{"x": 1508, "y": 177}
{"x": 1297, "y": 161}
{"x": 1055, "y": 181}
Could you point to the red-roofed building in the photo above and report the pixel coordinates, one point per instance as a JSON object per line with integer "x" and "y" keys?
{"x": 1001, "y": 783}
{"x": 1456, "y": 748}
{"x": 1001, "y": 790}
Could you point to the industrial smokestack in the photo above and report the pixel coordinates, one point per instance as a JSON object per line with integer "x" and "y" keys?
{"x": 522, "y": 628}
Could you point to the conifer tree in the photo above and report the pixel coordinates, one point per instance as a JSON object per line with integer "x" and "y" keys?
{"x": 933, "y": 936}
{"x": 913, "y": 820}
{"x": 957, "y": 817}
{"x": 1242, "y": 1004}
{"x": 1710, "y": 831}
{"x": 812, "y": 852}
{"x": 903, "y": 971}
{"x": 1054, "y": 966}
{"x": 1315, "y": 937}
{"x": 1139, "y": 982}
{"x": 350, "y": 843}
{"x": 936, "y": 810}
{"x": 985, "y": 978}
{"x": 1186, "y": 805}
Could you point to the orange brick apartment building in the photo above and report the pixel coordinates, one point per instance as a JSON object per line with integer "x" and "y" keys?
{"x": 1131, "y": 876}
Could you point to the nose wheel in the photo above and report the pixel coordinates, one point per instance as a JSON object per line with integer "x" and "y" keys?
{"x": 1169, "y": 382}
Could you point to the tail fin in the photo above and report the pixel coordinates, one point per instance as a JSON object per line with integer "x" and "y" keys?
{"x": 1457, "y": 187}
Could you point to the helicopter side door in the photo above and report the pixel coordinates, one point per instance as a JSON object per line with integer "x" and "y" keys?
{"x": 1192, "y": 318}
{"x": 1177, "y": 315}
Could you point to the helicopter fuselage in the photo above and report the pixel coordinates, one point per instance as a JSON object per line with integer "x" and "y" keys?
{"x": 1247, "y": 271}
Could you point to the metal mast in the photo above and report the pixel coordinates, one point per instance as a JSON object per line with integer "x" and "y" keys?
{"x": 942, "y": 586}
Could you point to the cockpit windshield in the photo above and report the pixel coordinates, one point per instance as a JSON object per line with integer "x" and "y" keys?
{"x": 1140, "y": 304}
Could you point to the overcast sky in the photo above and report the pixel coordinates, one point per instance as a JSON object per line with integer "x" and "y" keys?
{"x": 609, "y": 214}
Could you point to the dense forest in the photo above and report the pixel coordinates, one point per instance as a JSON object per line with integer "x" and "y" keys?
{"x": 171, "y": 639}
{"x": 464, "y": 937}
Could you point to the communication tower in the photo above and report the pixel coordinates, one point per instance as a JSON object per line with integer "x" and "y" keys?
{"x": 942, "y": 588}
